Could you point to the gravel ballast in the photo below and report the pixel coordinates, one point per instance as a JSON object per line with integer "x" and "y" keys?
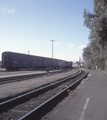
{"x": 14, "y": 88}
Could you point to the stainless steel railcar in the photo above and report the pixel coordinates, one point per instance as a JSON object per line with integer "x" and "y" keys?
{"x": 16, "y": 61}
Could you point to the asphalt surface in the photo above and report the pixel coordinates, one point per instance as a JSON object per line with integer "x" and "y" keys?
{"x": 19, "y": 73}
{"x": 88, "y": 102}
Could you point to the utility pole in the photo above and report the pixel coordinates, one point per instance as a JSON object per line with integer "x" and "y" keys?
{"x": 52, "y": 47}
{"x": 28, "y": 52}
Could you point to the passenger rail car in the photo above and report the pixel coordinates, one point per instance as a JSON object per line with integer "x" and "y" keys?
{"x": 16, "y": 61}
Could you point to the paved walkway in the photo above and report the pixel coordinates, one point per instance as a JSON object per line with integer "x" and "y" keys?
{"x": 88, "y": 102}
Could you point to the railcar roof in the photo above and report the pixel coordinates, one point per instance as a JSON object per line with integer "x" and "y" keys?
{"x": 33, "y": 55}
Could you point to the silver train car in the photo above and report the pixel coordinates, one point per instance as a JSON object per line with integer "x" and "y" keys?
{"x": 17, "y": 61}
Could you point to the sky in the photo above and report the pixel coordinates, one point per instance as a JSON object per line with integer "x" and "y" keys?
{"x": 29, "y": 25}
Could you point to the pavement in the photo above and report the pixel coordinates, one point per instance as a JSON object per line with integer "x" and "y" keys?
{"x": 5, "y": 74}
{"x": 19, "y": 73}
{"x": 2, "y": 69}
{"x": 88, "y": 102}
{"x": 14, "y": 88}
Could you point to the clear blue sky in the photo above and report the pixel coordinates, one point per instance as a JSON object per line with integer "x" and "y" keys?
{"x": 28, "y": 25}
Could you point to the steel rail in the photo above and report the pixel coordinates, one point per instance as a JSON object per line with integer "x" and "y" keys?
{"x": 24, "y": 77}
{"x": 35, "y": 111}
{"x": 8, "y": 103}
{"x": 18, "y": 78}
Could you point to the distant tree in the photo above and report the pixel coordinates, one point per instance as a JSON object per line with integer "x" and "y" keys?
{"x": 97, "y": 24}
{"x": 87, "y": 56}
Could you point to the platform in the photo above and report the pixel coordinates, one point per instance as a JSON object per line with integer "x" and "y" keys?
{"x": 22, "y": 73}
{"x": 88, "y": 102}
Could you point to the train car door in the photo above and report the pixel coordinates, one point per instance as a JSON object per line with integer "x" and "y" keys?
{"x": 7, "y": 61}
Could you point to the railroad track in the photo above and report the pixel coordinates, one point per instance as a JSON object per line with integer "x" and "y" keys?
{"x": 29, "y": 76}
{"x": 30, "y": 105}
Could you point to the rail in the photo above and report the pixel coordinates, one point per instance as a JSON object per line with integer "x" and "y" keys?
{"x": 9, "y": 103}
{"x": 35, "y": 112}
{"x": 24, "y": 77}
